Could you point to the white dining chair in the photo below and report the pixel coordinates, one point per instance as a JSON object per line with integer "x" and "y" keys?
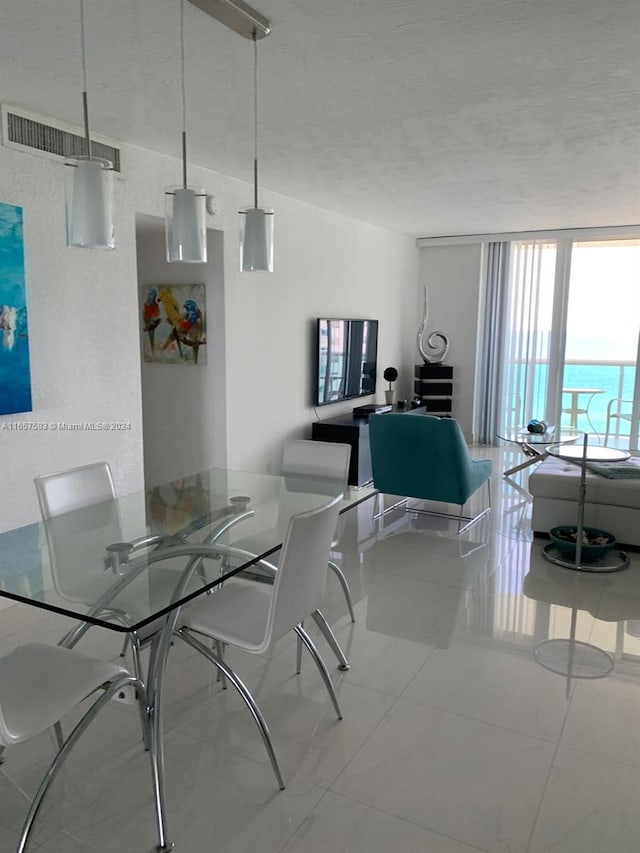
{"x": 40, "y": 684}
{"x": 327, "y": 463}
{"x": 74, "y": 488}
{"x": 252, "y": 616}
{"x": 91, "y": 487}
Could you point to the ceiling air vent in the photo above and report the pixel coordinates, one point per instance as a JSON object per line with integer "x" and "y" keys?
{"x": 40, "y": 135}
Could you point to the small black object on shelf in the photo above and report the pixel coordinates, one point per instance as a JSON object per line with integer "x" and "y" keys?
{"x": 371, "y": 409}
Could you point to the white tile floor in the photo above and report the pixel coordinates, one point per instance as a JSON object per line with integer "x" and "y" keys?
{"x": 454, "y": 738}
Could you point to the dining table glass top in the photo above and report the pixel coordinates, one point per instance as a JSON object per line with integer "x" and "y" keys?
{"x": 125, "y": 562}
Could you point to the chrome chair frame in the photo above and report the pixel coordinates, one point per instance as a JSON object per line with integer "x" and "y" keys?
{"x": 66, "y": 746}
{"x": 162, "y": 643}
{"x": 470, "y": 520}
{"x": 227, "y": 673}
{"x": 270, "y": 570}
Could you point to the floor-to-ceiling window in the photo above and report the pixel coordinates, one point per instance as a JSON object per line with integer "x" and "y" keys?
{"x": 601, "y": 344}
{"x": 571, "y": 337}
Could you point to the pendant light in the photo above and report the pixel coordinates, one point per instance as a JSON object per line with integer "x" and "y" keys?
{"x": 256, "y": 224}
{"x": 185, "y": 206}
{"x": 89, "y": 184}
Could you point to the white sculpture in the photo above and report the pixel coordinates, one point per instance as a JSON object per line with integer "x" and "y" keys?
{"x": 437, "y": 351}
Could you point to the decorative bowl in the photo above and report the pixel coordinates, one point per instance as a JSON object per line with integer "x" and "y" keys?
{"x": 537, "y": 427}
{"x": 564, "y": 538}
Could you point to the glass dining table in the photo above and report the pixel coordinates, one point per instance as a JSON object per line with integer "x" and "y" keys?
{"x": 130, "y": 564}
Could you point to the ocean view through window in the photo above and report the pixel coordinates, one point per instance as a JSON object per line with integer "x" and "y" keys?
{"x": 572, "y": 326}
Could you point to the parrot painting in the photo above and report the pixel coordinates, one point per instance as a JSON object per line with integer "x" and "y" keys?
{"x": 151, "y": 316}
{"x": 190, "y": 327}
{"x": 187, "y": 325}
{"x": 172, "y": 312}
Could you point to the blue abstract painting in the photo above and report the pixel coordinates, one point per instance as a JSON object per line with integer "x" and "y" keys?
{"x": 15, "y": 377}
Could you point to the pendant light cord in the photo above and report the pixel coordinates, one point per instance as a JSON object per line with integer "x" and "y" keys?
{"x": 184, "y": 98}
{"x": 255, "y": 119}
{"x": 85, "y": 101}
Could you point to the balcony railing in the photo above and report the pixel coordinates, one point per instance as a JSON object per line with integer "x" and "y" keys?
{"x": 612, "y": 379}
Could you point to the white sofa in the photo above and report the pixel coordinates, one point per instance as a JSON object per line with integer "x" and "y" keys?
{"x": 612, "y": 505}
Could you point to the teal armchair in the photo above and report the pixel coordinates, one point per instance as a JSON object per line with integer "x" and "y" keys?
{"x": 421, "y": 456}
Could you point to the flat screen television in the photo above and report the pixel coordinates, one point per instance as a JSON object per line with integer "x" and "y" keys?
{"x": 346, "y": 360}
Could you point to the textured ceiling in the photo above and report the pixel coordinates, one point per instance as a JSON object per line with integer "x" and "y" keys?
{"x": 430, "y": 117}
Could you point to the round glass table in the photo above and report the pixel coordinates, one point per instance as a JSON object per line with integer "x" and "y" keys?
{"x": 535, "y": 445}
{"x": 614, "y": 560}
{"x": 595, "y": 453}
{"x": 575, "y": 408}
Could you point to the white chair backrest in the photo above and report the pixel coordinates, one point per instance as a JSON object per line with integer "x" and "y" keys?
{"x": 321, "y": 460}
{"x": 74, "y": 489}
{"x": 324, "y": 462}
{"x": 77, "y": 541}
{"x": 302, "y": 572}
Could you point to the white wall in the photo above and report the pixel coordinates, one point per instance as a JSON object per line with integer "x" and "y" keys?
{"x": 183, "y": 405}
{"x": 84, "y": 326}
{"x": 453, "y": 276}
{"x": 326, "y": 265}
{"x": 85, "y": 363}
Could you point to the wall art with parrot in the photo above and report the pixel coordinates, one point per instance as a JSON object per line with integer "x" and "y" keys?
{"x": 173, "y": 323}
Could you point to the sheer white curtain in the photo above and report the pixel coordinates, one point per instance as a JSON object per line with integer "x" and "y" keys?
{"x": 487, "y": 415}
{"x": 527, "y": 334}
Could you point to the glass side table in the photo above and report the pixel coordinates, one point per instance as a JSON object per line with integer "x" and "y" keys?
{"x": 615, "y": 560}
{"x": 535, "y": 444}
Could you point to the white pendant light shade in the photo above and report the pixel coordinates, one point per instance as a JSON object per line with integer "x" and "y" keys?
{"x": 256, "y": 239}
{"x": 89, "y": 203}
{"x": 88, "y": 183}
{"x": 256, "y": 222}
{"x": 186, "y": 225}
{"x": 185, "y": 222}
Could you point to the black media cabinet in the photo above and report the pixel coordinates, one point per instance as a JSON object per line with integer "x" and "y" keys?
{"x": 347, "y": 429}
{"x": 433, "y": 384}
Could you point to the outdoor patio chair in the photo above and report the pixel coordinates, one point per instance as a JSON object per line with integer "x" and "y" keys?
{"x": 616, "y": 412}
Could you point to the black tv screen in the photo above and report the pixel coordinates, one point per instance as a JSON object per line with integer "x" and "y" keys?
{"x": 346, "y": 359}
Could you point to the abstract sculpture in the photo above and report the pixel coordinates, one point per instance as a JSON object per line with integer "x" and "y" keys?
{"x": 438, "y": 351}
